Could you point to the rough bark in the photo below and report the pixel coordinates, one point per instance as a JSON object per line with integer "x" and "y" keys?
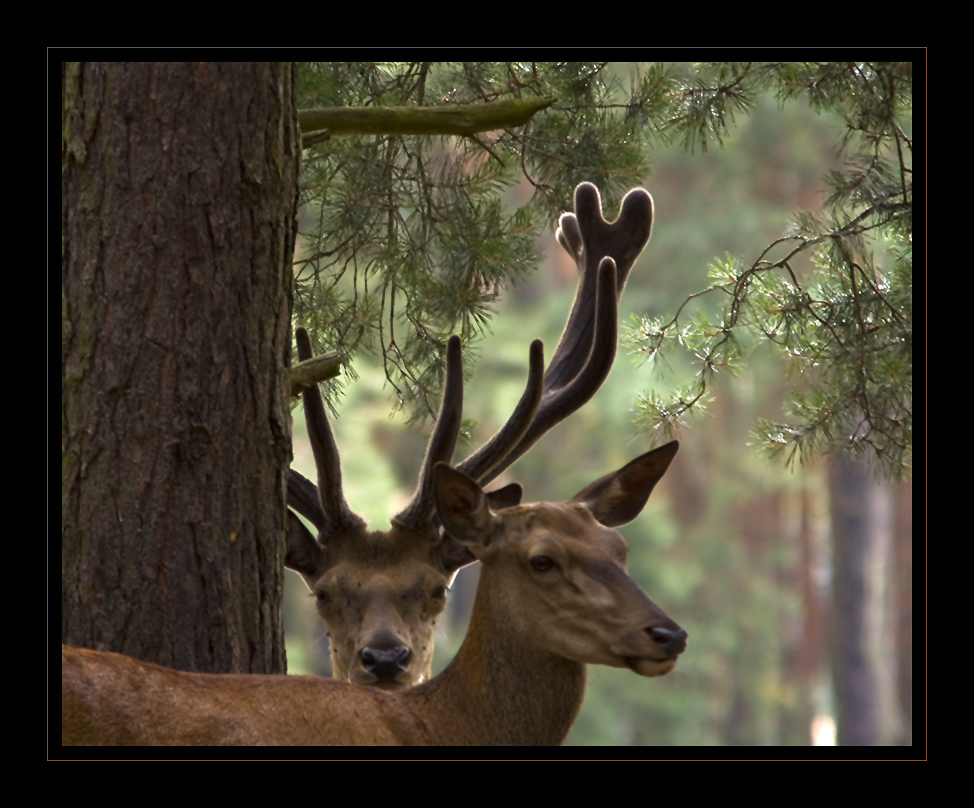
{"x": 178, "y": 195}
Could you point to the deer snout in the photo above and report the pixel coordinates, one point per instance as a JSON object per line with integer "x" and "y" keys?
{"x": 671, "y": 641}
{"x": 385, "y": 664}
{"x": 652, "y": 650}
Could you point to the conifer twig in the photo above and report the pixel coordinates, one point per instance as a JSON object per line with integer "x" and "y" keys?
{"x": 312, "y": 371}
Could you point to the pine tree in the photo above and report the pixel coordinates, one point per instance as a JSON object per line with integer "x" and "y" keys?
{"x": 848, "y": 328}
{"x": 177, "y": 235}
{"x": 407, "y": 237}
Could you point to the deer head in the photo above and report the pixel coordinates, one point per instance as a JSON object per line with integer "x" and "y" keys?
{"x": 553, "y": 596}
{"x": 379, "y": 593}
{"x": 556, "y": 572}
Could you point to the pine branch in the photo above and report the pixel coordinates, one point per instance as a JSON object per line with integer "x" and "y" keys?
{"x": 450, "y": 119}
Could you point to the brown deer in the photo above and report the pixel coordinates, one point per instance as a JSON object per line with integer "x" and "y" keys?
{"x": 553, "y": 595}
{"x": 379, "y": 593}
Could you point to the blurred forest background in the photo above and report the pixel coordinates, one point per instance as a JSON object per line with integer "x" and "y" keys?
{"x": 737, "y": 548}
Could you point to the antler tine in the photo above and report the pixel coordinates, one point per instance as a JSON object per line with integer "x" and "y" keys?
{"x": 421, "y": 511}
{"x": 604, "y": 253}
{"x": 558, "y": 403}
{"x": 335, "y": 513}
{"x": 481, "y": 462}
{"x": 589, "y": 238}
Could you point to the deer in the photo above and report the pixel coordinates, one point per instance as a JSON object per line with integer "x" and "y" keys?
{"x": 379, "y": 593}
{"x": 553, "y": 596}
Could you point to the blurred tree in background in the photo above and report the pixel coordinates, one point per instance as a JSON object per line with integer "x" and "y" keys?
{"x": 409, "y": 238}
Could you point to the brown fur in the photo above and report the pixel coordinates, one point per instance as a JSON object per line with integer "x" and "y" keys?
{"x": 395, "y": 603}
{"x": 553, "y": 596}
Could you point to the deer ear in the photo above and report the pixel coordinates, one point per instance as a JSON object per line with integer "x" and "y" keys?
{"x": 506, "y": 497}
{"x": 618, "y": 498}
{"x": 303, "y": 551}
{"x": 462, "y": 506}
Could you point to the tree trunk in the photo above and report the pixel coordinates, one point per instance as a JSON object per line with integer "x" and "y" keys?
{"x": 854, "y": 545}
{"x": 178, "y": 200}
{"x": 903, "y": 600}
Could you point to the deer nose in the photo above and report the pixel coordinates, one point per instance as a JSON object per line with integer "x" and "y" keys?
{"x": 673, "y": 641}
{"x": 384, "y": 664}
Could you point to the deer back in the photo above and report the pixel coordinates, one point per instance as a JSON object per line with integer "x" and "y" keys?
{"x": 553, "y": 596}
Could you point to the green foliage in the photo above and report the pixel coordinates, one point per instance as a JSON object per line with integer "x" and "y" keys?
{"x": 708, "y": 96}
{"x": 846, "y": 328}
{"x": 408, "y": 239}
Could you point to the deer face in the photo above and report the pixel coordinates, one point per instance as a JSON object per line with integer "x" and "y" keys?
{"x": 574, "y": 587}
{"x": 556, "y": 572}
{"x": 379, "y": 595}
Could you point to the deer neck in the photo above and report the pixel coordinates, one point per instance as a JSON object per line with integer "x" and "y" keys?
{"x": 501, "y": 689}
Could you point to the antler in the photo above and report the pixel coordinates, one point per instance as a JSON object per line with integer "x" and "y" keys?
{"x": 420, "y": 513}
{"x": 333, "y": 513}
{"x": 604, "y": 253}
{"x": 325, "y": 506}
{"x": 342, "y": 563}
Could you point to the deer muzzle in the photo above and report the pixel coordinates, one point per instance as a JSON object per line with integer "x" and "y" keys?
{"x": 665, "y": 644}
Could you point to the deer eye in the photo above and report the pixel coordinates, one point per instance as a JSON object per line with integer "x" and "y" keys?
{"x": 541, "y": 563}
{"x": 439, "y": 593}
{"x": 322, "y": 597}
